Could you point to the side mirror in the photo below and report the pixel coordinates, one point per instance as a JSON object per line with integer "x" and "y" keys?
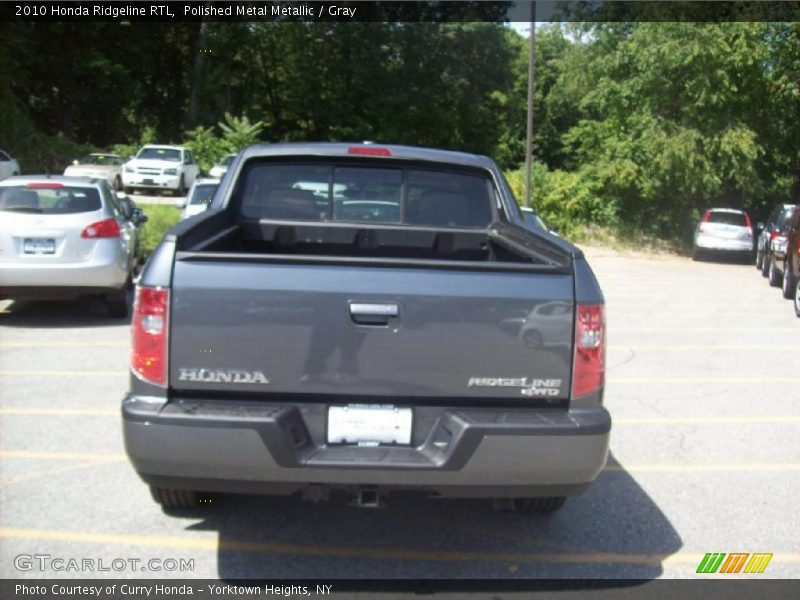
{"x": 76, "y": 162}
{"x": 138, "y": 217}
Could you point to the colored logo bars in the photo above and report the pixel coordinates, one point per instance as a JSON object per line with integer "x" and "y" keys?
{"x": 713, "y": 562}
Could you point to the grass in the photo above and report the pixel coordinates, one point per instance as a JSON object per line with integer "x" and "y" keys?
{"x": 161, "y": 218}
{"x": 627, "y": 238}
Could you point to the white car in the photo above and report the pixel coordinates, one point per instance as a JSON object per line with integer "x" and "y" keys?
{"x": 199, "y": 197}
{"x": 66, "y": 237}
{"x": 219, "y": 169}
{"x": 98, "y": 166}
{"x": 171, "y": 168}
{"x": 723, "y": 230}
{"x": 8, "y": 166}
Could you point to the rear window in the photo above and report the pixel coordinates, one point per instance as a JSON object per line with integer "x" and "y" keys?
{"x": 347, "y": 193}
{"x": 727, "y": 218}
{"x": 49, "y": 201}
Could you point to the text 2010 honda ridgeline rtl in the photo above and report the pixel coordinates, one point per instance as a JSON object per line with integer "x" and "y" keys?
{"x": 368, "y": 318}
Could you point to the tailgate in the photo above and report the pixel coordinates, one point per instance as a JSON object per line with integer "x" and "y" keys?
{"x": 373, "y": 332}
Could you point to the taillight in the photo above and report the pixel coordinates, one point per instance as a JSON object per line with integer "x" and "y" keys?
{"x": 773, "y": 234}
{"x": 590, "y": 348}
{"x": 149, "y": 331}
{"x": 107, "y": 228}
{"x": 369, "y": 151}
{"x": 749, "y": 224}
{"x": 706, "y": 216}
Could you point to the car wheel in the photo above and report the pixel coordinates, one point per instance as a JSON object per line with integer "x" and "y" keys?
{"x": 117, "y": 302}
{"x": 529, "y": 505}
{"x": 787, "y": 285}
{"x": 765, "y": 264}
{"x": 759, "y": 258}
{"x": 774, "y": 278}
{"x": 181, "y": 191}
{"x": 697, "y": 255}
{"x": 117, "y": 183}
{"x": 797, "y": 298}
{"x": 175, "y": 498}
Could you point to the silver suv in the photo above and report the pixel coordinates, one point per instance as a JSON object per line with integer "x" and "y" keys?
{"x": 64, "y": 237}
{"x": 723, "y": 230}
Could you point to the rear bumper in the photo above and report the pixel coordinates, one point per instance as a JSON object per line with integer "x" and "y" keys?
{"x": 254, "y": 447}
{"x": 105, "y": 272}
{"x": 713, "y": 243}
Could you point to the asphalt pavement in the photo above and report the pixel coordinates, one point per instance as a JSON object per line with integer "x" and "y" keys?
{"x": 702, "y": 386}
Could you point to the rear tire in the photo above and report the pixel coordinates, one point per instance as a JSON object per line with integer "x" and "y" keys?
{"x": 765, "y": 264}
{"x": 117, "y": 184}
{"x": 774, "y": 278}
{"x": 787, "y": 285}
{"x": 797, "y": 298}
{"x": 529, "y": 505}
{"x": 181, "y": 191}
{"x": 169, "y": 498}
{"x": 759, "y": 258}
{"x": 118, "y": 302}
{"x": 697, "y": 255}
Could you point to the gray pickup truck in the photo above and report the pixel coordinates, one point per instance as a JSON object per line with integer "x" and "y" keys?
{"x": 371, "y": 319}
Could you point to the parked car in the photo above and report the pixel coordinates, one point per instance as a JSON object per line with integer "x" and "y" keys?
{"x": 768, "y": 230}
{"x": 723, "y": 230}
{"x": 137, "y": 218}
{"x": 280, "y": 346}
{"x": 199, "y": 197}
{"x": 65, "y": 237}
{"x": 99, "y": 166}
{"x": 170, "y": 168}
{"x": 776, "y": 248}
{"x": 8, "y": 166}
{"x": 790, "y": 282}
{"x": 219, "y": 169}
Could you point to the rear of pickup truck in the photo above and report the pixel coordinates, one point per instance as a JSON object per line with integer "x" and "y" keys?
{"x": 371, "y": 319}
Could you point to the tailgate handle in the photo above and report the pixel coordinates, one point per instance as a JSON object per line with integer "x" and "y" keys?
{"x": 372, "y": 313}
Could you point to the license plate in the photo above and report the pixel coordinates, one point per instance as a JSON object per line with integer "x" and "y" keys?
{"x": 39, "y": 246}
{"x": 369, "y": 425}
{"x": 147, "y": 181}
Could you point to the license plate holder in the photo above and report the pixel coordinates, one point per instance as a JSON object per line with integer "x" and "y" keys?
{"x": 150, "y": 181}
{"x": 39, "y": 246}
{"x": 370, "y": 425}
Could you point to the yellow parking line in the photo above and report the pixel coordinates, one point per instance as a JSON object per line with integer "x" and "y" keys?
{"x": 72, "y": 373}
{"x": 789, "y": 330}
{"x": 725, "y": 467}
{"x": 47, "y": 344}
{"x": 701, "y": 420}
{"x": 214, "y": 544}
{"x": 57, "y": 471}
{"x": 699, "y": 380}
{"x": 724, "y": 347}
{"x": 26, "y": 454}
{"x": 82, "y": 412}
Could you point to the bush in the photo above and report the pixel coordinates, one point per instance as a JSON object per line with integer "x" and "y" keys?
{"x": 161, "y": 218}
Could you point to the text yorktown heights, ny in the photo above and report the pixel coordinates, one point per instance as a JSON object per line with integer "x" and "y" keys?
{"x": 156, "y": 590}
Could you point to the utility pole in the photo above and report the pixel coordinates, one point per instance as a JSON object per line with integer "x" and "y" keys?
{"x": 531, "y": 73}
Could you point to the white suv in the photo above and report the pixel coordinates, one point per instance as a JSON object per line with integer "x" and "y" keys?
{"x": 723, "y": 230}
{"x": 154, "y": 167}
